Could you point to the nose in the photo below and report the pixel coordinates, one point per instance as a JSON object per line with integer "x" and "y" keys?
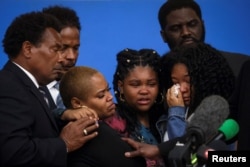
{"x": 185, "y": 31}
{"x": 70, "y": 54}
{"x": 110, "y": 96}
{"x": 60, "y": 56}
{"x": 143, "y": 89}
{"x": 184, "y": 87}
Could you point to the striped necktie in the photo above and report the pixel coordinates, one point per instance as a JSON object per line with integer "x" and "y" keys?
{"x": 47, "y": 97}
{"x": 59, "y": 101}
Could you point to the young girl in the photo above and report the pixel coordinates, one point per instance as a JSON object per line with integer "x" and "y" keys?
{"x": 200, "y": 71}
{"x": 136, "y": 86}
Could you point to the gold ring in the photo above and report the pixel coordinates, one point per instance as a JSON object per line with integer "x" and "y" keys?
{"x": 85, "y": 132}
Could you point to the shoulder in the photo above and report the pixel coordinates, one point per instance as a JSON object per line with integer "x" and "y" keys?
{"x": 117, "y": 123}
{"x": 247, "y": 64}
{"x": 246, "y": 67}
{"x": 9, "y": 81}
{"x": 235, "y": 55}
{"x": 235, "y": 60}
{"x": 14, "y": 75}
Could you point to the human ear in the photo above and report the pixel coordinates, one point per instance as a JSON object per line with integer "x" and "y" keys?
{"x": 120, "y": 86}
{"x": 163, "y": 35}
{"x": 76, "y": 103}
{"x": 26, "y": 48}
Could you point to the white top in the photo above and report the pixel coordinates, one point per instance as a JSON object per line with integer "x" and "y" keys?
{"x": 53, "y": 90}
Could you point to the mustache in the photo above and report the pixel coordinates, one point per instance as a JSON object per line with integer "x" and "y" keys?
{"x": 189, "y": 37}
{"x": 195, "y": 41}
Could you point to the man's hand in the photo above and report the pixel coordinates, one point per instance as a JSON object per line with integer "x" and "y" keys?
{"x": 76, "y": 134}
{"x": 74, "y": 114}
{"x": 142, "y": 149}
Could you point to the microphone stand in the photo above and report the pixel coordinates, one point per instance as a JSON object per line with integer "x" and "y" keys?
{"x": 180, "y": 156}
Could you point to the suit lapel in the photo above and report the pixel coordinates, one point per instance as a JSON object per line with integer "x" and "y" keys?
{"x": 38, "y": 95}
{"x": 24, "y": 79}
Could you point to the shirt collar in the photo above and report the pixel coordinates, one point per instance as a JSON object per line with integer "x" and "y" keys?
{"x": 33, "y": 79}
{"x": 52, "y": 84}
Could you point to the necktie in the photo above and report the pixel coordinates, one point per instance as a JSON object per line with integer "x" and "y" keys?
{"x": 59, "y": 101}
{"x": 47, "y": 97}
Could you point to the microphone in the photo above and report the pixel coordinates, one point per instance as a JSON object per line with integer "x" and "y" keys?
{"x": 202, "y": 152}
{"x": 208, "y": 117}
{"x": 226, "y": 131}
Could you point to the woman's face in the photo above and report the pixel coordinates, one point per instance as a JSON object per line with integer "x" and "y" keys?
{"x": 99, "y": 97}
{"x": 140, "y": 88}
{"x": 180, "y": 76}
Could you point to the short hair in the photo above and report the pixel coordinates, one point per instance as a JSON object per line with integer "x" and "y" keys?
{"x": 66, "y": 15}
{"x": 27, "y": 27}
{"x": 76, "y": 83}
{"x": 209, "y": 71}
{"x": 172, "y": 5}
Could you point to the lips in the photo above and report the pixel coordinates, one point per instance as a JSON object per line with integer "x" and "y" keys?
{"x": 187, "y": 41}
{"x": 111, "y": 107}
{"x": 58, "y": 68}
{"x": 143, "y": 101}
{"x": 66, "y": 68}
{"x": 186, "y": 100}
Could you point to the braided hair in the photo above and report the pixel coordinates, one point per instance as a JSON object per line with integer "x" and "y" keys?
{"x": 127, "y": 60}
{"x": 209, "y": 72}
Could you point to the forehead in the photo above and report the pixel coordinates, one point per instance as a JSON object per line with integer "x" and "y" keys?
{"x": 179, "y": 68}
{"x": 97, "y": 81}
{"x": 140, "y": 71}
{"x": 180, "y": 15}
{"x": 51, "y": 36}
{"x": 70, "y": 33}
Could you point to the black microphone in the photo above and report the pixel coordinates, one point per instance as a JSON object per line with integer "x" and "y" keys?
{"x": 208, "y": 117}
{"x": 227, "y": 131}
{"x": 201, "y": 156}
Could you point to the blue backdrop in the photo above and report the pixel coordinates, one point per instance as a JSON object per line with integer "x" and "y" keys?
{"x": 109, "y": 26}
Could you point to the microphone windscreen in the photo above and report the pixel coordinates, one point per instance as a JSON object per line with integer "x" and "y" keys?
{"x": 229, "y": 128}
{"x": 208, "y": 117}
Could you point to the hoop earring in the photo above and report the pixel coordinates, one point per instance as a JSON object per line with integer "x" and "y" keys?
{"x": 161, "y": 100}
{"x": 121, "y": 98}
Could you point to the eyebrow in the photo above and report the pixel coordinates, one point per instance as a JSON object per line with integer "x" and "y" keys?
{"x": 185, "y": 75}
{"x": 103, "y": 90}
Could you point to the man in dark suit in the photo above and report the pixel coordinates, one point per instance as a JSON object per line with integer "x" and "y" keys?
{"x": 240, "y": 107}
{"x": 181, "y": 23}
{"x": 29, "y": 135}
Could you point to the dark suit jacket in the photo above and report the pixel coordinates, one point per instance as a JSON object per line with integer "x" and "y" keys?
{"x": 105, "y": 150}
{"x": 240, "y": 106}
{"x": 28, "y": 132}
{"x": 235, "y": 61}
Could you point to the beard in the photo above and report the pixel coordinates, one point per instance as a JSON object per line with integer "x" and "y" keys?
{"x": 172, "y": 44}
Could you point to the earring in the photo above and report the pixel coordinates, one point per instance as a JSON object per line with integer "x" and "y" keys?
{"x": 161, "y": 99}
{"x": 121, "y": 98}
